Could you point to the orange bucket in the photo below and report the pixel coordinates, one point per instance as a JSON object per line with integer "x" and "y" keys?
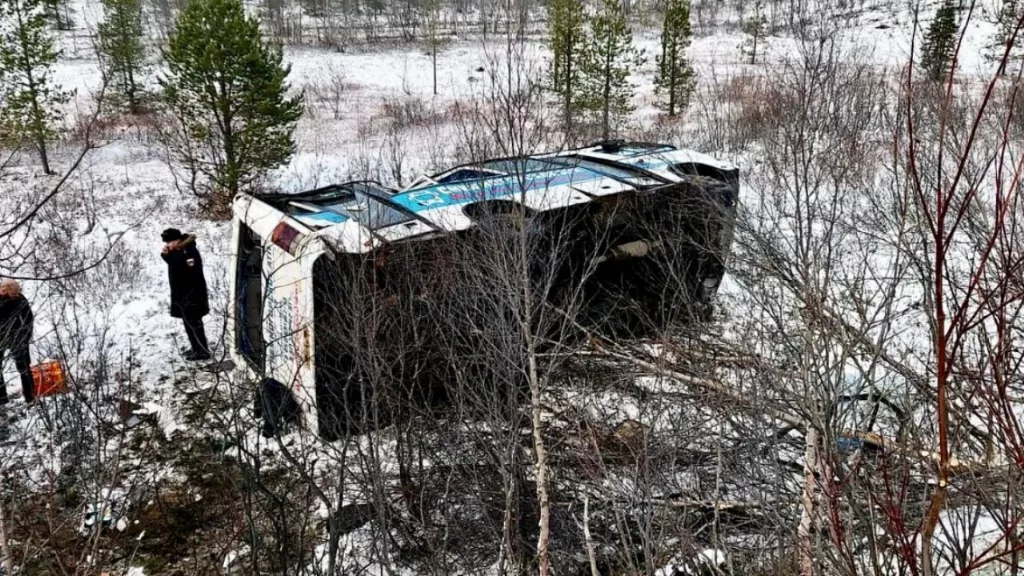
{"x": 48, "y": 379}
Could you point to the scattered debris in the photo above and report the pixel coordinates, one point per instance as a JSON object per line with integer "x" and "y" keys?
{"x": 93, "y": 515}
{"x": 197, "y": 388}
{"x": 234, "y": 555}
{"x": 218, "y": 367}
{"x": 48, "y": 378}
{"x": 847, "y": 444}
{"x": 708, "y": 561}
{"x": 630, "y": 434}
{"x": 222, "y": 444}
{"x": 133, "y": 414}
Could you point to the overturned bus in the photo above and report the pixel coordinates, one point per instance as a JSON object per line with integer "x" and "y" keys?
{"x": 356, "y": 287}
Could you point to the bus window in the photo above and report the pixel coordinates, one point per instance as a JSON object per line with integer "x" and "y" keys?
{"x": 249, "y": 319}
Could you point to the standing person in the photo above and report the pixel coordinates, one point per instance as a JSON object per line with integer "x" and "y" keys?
{"x": 189, "y": 299}
{"x": 15, "y": 334}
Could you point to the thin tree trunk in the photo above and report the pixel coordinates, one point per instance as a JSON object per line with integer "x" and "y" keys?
{"x": 5, "y": 551}
{"x": 806, "y": 528}
{"x": 587, "y": 539}
{"x": 332, "y": 523}
{"x": 542, "y": 469}
{"x": 931, "y": 521}
{"x": 540, "y": 452}
{"x": 938, "y": 498}
{"x": 673, "y": 80}
{"x": 133, "y": 104}
{"x": 568, "y": 90}
{"x": 1012, "y": 538}
{"x": 38, "y": 126}
{"x": 44, "y": 159}
{"x": 221, "y": 202}
{"x": 605, "y": 128}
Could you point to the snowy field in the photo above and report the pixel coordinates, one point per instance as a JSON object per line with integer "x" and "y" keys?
{"x": 135, "y": 187}
{"x": 136, "y": 191}
{"x": 124, "y": 193}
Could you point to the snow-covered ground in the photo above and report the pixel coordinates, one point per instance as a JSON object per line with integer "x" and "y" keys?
{"x": 343, "y": 135}
{"x": 130, "y": 177}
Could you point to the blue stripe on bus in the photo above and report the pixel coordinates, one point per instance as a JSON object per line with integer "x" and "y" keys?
{"x": 330, "y": 217}
{"x": 443, "y": 195}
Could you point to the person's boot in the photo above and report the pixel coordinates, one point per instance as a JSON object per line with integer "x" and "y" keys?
{"x": 28, "y": 391}
{"x": 194, "y": 356}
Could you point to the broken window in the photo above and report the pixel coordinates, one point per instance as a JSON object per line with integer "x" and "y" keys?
{"x": 249, "y": 298}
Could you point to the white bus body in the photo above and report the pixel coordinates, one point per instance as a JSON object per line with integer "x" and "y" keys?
{"x": 278, "y": 239}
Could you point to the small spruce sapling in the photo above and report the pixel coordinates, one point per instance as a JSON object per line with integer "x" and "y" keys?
{"x": 609, "y": 59}
{"x": 31, "y": 100}
{"x": 675, "y": 77}
{"x": 756, "y": 29}
{"x": 567, "y": 39}
{"x": 940, "y": 42}
{"x": 122, "y": 49}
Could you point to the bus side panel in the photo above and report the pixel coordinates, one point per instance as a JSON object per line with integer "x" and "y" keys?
{"x": 287, "y": 325}
{"x": 304, "y": 386}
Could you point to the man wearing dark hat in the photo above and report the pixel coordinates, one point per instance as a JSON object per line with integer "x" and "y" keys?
{"x": 189, "y": 298}
{"x": 16, "y": 321}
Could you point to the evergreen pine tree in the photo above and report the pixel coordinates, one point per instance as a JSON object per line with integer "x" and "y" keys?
{"x": 567, "y": 39}
{"x": 609, "y": 58}
{"x": 675, "y": 76}
{"x": 756, "y": 28}
{"x": 121, "y": 48}
{"x": 30, "y": 98}
{"x": 1006, "y": 31}
{"x": 228, "y": 90}
{"x": 940, "y": 41}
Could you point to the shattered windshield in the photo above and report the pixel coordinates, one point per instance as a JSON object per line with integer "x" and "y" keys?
{"x": 531, "y": 165}
{"x": 364, "y": 205}
{"x": 634, "y": 177}
{"x": 517, "y": 165}
{"x": 372, "y": 213}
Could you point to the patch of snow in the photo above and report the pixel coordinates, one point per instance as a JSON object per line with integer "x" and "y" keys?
{"x": 709, "y": 557}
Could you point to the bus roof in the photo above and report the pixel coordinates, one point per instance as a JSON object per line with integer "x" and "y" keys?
{"x": 359, "y": 209}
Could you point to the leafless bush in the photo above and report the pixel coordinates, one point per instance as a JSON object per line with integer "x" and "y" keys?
{"x": 410, "y": 112}
{"x": 69, "y": 457}
{"x": 144, "y": 128}
{"x": 505, "y": 404}
{"x": 328, "y": 96}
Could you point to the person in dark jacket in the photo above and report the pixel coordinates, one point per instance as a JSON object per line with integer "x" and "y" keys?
{"x": 15, "y": 334}
{"x": 189, "y": 298}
